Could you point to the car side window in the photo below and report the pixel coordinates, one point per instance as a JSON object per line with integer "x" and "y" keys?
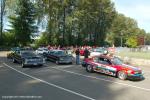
{"x": 95, "y": 59}
{"x": 55, "y": 53}
{"x": 51, "y": 52}
{"x": 104, "y": 61}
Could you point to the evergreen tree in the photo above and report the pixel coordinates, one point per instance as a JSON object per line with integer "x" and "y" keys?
{"x": 23, "y": 23}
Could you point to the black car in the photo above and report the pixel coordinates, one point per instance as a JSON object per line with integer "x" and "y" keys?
{"x": 59, "y": 56}
{"x": 27, "y": 58}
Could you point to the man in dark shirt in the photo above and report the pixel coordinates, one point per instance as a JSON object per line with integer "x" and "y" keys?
{"x": 86, "y": 53}
{"x": 77, "y": 52}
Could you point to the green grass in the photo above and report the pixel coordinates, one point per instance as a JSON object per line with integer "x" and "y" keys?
{"x": 140, "y": 55}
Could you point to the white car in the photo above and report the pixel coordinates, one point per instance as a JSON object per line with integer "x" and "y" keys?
{"x": 98, "y": 52}
{"x": 41, "y": 50}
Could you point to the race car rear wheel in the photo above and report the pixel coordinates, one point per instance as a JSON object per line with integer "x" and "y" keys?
{"x": 89, "y": 68}
{"x": 122, "y": 75}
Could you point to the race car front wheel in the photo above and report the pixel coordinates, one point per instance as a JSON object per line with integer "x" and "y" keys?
{"x": 89, "y": 68}
{"x": 122, "y": 75}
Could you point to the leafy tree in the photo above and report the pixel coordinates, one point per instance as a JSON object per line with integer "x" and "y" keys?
{"x": 42, "y": 40}
{"x": 132, "y": 42}
{"x": 2, "y": 11}
{"x": 76, "y": 22}
{"x": 147, "y": 39}
{"x": 8, "y": 38}
{"x": 123, "y": 27}
{"x": 23, "y": 23}
{"x": 81, "y": 20}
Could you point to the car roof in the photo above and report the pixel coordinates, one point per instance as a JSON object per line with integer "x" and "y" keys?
{"x": 57, "y": 50}
{"x": 105, "y": 56}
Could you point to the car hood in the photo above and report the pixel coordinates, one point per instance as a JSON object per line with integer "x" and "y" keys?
{"x": 31, "y": 57}
{"x": 66, "y": 56}
{"x": 129, "y": 67}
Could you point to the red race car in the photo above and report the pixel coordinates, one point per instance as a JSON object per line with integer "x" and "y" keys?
{"x": 112, "y": 66}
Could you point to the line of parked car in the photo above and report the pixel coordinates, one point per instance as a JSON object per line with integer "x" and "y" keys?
{"x": 29, "y": 57}
{"x": 99, "y": 61}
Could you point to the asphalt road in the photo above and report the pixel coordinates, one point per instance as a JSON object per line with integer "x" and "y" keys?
{"x": 66, "y": 82}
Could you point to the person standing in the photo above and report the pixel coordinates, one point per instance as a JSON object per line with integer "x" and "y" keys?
{"x": 77, "y": 52}
{"x": 86, "y": 53}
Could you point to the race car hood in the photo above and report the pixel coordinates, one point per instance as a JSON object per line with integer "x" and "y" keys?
{"x": 129, "y": 67}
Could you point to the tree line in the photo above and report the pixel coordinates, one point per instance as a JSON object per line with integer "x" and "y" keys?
{"x": 68, "y": 22}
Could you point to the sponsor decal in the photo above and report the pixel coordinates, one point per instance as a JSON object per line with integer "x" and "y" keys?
{"x": 105, "y": 69}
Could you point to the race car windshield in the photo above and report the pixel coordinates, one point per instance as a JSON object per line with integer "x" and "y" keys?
{"x": 99, "y": 50}
{"x": 117, "y": 61}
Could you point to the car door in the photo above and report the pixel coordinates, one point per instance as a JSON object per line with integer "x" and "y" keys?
{"x": 56, "y": 56}
{"x": 105, "y": 66}
{"x": 50, "y": 55}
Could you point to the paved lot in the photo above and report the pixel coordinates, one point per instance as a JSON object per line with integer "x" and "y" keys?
{"x": 66, "y": 82}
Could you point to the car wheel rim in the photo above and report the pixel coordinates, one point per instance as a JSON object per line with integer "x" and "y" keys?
{"x": 13, "y": 60}
{"x": 122, "y": 75}
{"x": 56, "y": 62}
{"x": 89, "y": 68}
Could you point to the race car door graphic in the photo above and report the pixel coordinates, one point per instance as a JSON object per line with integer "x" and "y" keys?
{"x": 105, "y": 66}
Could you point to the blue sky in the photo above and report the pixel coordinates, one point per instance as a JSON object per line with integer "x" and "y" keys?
{"x": 137, "y": 9}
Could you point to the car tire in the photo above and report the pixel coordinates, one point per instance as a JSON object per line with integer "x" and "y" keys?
{"x": 89, "y": 68}
{"x": 23, "y": 65}
{"x": 14, "y": 61}
{"x": 57, "y": 62}
{"x": 41, "y": 65}
{"x": 122, "y": 75}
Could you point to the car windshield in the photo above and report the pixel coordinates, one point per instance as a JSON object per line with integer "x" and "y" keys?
{"x": 40, "y": 49}
{"x": 46, "y": 49}
{"x": 61, "y": 53}
{"x": 99, "y": 50}
{"x": 27, "y": 53}
{"x": 117, "y": 61}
